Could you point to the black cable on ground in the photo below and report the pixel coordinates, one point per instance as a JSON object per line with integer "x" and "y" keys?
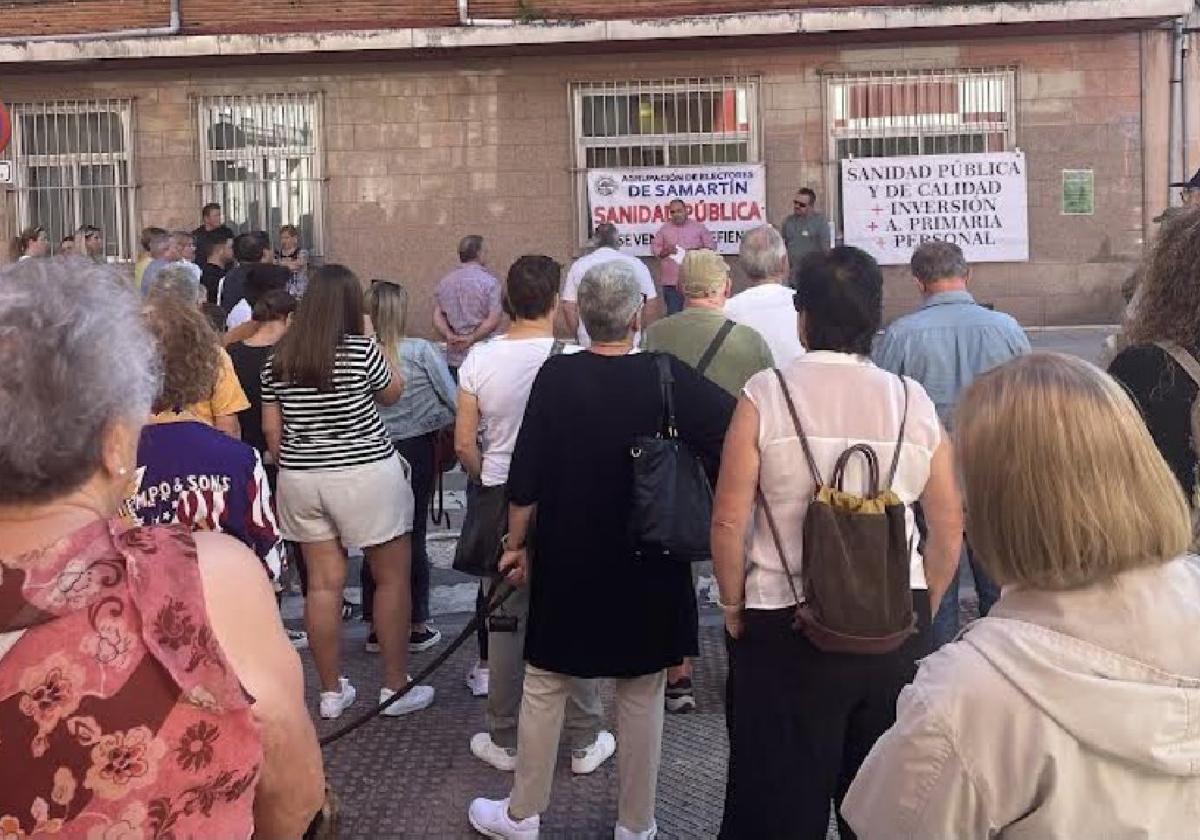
{"x": 500, "y": 594}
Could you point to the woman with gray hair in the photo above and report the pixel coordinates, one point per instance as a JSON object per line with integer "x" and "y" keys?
{"x": 571, "y": 466}
{"x": 135, "y": 648}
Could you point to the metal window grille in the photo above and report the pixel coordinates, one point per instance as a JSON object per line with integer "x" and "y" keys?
{"x": 892, "y": 113}
{"x": 73, "y": 166}
{"x": 261, "y": 160}
{"x": 669, "y": 122}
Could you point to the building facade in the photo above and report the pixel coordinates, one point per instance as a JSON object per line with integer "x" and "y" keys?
{"x": 390, "y": 132}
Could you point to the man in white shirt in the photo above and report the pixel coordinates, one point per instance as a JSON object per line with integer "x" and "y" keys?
{"x": 606, "y": 243}
{"x": 767, "y": 305}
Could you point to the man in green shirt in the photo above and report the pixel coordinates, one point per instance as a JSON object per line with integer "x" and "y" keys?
{"x": 805, "y": 231}
{"x": 734, "y": 353}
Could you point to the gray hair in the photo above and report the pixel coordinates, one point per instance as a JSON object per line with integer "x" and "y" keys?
{"x": 76, "y": 359}
{"x": 178, "y": 280}
{"x": 936, "y": 260}
{"x": 469, "y": 248}
{"x": 609, "y": 296}
{"x": 763, "y": 254}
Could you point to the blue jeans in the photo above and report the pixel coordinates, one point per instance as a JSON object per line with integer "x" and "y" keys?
{"x": 672, "y": 299}
{"x": 945, "y": 622}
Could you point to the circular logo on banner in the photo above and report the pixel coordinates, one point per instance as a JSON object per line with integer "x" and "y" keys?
{"x": 5, "y": 128}
{"x": 606, "y": 185}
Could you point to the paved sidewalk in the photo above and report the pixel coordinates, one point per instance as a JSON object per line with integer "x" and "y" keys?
{"x": 414, "y": 777}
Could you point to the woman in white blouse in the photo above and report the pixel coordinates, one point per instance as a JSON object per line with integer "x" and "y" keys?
{"x": 801, "y": 720}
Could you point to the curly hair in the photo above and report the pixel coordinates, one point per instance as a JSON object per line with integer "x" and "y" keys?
{"x": 188, "y": 348}
{"x": 1168, "y": 297}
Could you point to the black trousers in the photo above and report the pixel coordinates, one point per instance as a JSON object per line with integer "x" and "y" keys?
{"x": 418, "y": 451}
{"x": 801, "y": 722}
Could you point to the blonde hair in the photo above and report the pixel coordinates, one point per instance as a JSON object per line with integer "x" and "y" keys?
{"x": 1063, "y": 484}
{"x": 387, "y": 305}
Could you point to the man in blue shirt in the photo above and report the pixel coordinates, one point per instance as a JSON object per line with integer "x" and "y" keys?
{"x": 944, "y": 345}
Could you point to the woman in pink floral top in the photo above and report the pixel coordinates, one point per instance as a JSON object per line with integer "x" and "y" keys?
{"x": 147, "y": 689}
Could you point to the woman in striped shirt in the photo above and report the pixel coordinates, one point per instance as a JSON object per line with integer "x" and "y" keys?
{"x": 340, "y": 481}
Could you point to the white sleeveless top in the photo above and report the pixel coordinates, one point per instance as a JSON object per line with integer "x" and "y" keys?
{"x": 842, "y": 399}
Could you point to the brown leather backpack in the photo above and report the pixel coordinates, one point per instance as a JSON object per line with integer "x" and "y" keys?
{"x": 857, "y": 597}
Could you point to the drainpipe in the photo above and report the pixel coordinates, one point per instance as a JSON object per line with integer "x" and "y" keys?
{"x": 1175, "y": 150}
{"x": 465, "y": 19}
{"x": 171, "y": 28}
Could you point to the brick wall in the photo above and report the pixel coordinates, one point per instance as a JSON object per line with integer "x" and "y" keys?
{"x": 419, "y": 153}
{"x": 618, "y": 9}
{"x": 58, "y": 17}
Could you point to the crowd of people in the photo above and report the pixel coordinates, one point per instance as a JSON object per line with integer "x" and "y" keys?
{"x": 172, "y": 443}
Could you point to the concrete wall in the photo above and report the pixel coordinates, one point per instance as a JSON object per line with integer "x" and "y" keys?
{"x": 421, "y": 152}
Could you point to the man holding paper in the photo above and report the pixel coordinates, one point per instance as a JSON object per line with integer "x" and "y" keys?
{"x": 670, "y": 244}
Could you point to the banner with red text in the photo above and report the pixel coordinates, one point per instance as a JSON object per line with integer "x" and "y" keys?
{"x": 978, "y": 201}
{"x": 727, "y": 199}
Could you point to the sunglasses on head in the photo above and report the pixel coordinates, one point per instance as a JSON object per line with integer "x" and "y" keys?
{"x": 378, "y": 280}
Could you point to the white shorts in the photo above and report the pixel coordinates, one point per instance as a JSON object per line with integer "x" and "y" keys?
{"x": 361, "y": 506}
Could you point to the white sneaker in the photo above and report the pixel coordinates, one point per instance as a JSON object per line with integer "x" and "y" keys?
{"x": 477, "y": 681}
{"x": 419, "y": 697}
{"x": 623, "y": 833}
{"x": 333, "y": 703}
{"x": 489, "y": 752}
{"x": 490, "y": 818}
{"x": 599, "y": 751}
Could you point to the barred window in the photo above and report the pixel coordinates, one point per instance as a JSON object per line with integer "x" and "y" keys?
{"x": 72, "y": 163}
{"x": 261, "y": 160}
{"x": 917, "y": 112}
{"x": 670, "y": 122}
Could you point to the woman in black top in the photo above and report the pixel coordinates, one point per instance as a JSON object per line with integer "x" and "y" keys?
{"x": 1166, "y": 309}
{"x": 596, "y": 610}
{"x": 270, "y": 318}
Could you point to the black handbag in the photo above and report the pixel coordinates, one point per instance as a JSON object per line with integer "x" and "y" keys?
{"x": 478, "y": 550}
{"x": 672, "y": 497}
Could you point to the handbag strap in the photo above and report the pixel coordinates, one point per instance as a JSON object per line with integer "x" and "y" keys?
{"x": 1182, "y": 357}
{"x": 791, "y": 406}
{"x": 899, "y": 438}
{"x": 666, "y": 381}
{"x": 774, "y": 529}
{"x": 714, "y": 346}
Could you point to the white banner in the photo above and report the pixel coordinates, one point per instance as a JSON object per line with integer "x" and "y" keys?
{"x": 729, "y": 200}
{"x": 892, "y": 205}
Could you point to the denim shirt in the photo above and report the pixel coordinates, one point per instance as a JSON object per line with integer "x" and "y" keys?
{"x": 428, "y": 402}
{"x": 948, "y": 342}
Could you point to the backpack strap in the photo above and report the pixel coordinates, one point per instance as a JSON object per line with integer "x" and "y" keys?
{"x": 899, "y": 438}
{"x": 775, "y": 538}
{"x": 714, "y": 346}
{"x": 1182, "y": 357}
{"x": 666, "y": 381}
{"x": 791, "y": 406}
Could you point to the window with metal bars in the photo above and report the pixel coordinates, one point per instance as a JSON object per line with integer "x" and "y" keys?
{"x": 261, "y": 160}
{"x": 669, "y": 122}
{"x": 893, "y": 113}
{"x": 72, "y": 164}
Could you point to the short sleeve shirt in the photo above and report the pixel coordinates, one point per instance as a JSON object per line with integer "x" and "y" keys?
{"x": 581, "y": 266}
{"x": 338, "y": 428}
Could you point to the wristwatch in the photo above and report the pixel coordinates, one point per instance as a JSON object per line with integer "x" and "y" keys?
{"x": 504, "y": 544}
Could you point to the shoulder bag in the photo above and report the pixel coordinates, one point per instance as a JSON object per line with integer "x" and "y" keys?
{"x": 672, "y": 498}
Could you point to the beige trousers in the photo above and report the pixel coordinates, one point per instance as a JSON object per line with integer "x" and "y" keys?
{"x": 639, "y": 744}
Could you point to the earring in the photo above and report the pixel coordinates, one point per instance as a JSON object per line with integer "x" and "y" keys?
{"x": 122, "y": 472}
